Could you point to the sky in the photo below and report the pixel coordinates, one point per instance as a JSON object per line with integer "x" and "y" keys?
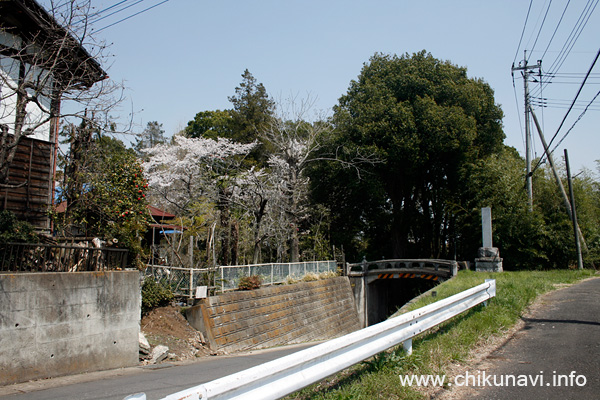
{"x": 187, "y": 56}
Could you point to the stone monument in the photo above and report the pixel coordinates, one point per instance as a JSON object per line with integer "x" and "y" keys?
{"x": 488, "y": 256}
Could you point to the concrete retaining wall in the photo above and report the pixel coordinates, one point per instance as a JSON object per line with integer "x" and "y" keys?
{"x": 54, "y": 324}
{"x": 276, "y": 315}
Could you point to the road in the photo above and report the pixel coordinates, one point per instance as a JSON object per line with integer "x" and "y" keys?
{"x": 555, "y": 356}
{"x": 156, "y": 381}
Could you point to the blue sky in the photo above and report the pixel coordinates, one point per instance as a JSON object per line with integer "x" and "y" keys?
{"x": 187, "y": 56}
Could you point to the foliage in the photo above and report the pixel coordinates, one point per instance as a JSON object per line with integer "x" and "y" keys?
{"x": 249, "y": 282}
{"x": 189, "y": 169}
{"x": 425, "y": 119}
{"x": 210, "y": 125}
{"x": 252, "y": 112}
{"x": 105, "y": 192}
{"x": 15, "y": 231}
{"x": 152, "y": 136}
{"x": 155, "y": 294}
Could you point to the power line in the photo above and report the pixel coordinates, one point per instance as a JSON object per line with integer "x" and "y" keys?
{"x": 576, "y": 121}
{"x": 541, "y": 26}
{"x": 556, "y": 29}
{"x": 570, "y": 108}
{"x": 131, "y": 16}
{"x": 523, "y": 32}
{"x": 119, "y": 10}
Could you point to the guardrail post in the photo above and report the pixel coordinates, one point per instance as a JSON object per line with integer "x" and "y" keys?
{"x": 407, "y": 346}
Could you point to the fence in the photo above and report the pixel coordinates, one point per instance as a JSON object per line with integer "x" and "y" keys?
{"x": 277, "y": 378}
{"x": 183, "y": 281}
{"x": 28, "y": 257}
{"x": 272, "y": 273}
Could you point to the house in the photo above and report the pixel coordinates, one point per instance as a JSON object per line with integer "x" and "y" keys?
{"x": 39, "y": 62}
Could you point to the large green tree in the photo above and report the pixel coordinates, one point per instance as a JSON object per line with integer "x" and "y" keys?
{"x": 424, "y": 119}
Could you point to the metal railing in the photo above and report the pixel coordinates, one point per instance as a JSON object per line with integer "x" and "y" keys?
{"x": 278, "y": 378}
{"x": 32, "y": 257}
{"x": 183, "y": 281}
{"x": 272, "y": 273}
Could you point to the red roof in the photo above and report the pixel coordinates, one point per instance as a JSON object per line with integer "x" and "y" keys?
{"x": 159, "y": 213}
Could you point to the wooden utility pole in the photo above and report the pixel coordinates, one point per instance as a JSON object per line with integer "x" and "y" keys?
{"x": 574, "y": 213}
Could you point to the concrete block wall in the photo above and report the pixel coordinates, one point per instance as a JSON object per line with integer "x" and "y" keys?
{"x": 277, "y": 315}
{"x": 54, "y": 324}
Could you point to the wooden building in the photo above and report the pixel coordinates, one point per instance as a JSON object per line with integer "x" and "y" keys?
{"x": 34, "y": 72}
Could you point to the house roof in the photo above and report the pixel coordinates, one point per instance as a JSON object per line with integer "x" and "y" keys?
{"x": 158, "y": 213}
{"x": 30, "y": 21}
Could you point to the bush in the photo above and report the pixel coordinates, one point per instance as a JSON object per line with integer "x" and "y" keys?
{"x": 13, "y": 230}
{"x": 155, "y": 294}
{"x": 249, "y": 282}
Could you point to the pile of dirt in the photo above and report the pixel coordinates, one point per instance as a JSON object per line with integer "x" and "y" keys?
{"x": 167, "y": 326}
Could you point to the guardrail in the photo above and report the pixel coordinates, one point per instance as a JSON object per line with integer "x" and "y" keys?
{"x": 278, "y": 378}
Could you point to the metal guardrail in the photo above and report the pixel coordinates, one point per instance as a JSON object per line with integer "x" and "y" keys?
{"x": 38, "y": 257}
{"x": 278, "y": 378}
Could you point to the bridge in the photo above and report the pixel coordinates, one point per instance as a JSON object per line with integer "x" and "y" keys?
{"x": 381, "y": 286}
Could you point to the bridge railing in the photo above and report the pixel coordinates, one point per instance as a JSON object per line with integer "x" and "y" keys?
{"x": 448, "y": 266}
{"x": 277, "y": 378}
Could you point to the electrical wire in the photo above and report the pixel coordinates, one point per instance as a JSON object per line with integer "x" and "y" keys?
{"x": 541, "y": 26}
{"x": 523, "y": 32}
{"x": 576, "y": 121}
{"x": 130, "y": 16}
{"x": 569, "y": 110}
{"x": 556, "y": 29}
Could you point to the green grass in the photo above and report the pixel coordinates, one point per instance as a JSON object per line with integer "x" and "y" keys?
{"x": 452, "y": 341}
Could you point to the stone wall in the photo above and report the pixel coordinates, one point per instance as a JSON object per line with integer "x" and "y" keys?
{"x": 54, "y": 324}
{"x": 276, "y": 315}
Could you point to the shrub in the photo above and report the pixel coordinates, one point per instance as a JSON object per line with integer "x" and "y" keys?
{"x": 13, "y": 230}
{"x": 155, "y": 294}
{"x": 249, "y": 282}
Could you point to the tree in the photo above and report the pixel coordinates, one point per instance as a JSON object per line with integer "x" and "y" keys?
{"x": 45, "y": 62}
{"x": 193, "y": 171}
{"x": 210, "y": 125}
{"x": 425, "y": 119}
{"x": 104, "y": 189}
{"x": 153, "y": 135}
{"x": 251, "y": 115}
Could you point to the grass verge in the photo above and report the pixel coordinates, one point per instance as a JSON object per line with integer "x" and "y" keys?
{"x": 437, "y": 349}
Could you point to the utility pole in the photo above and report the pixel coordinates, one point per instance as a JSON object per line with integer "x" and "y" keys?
{"x": 526, "y": 70}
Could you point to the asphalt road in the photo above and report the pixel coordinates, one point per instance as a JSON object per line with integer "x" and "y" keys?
{"x": 555, "y": 356}
{"x": 156, "y": 381}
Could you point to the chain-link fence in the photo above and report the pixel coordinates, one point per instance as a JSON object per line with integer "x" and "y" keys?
{"x": 183, "y": 281}
{"x": 272, "y": 273}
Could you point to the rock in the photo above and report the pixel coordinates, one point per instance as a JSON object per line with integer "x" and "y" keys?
{"x": 159, "y": 353}
{"x": 144, "y": 345}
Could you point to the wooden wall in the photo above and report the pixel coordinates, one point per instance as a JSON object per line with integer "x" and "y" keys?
{"x": 32, "y": 165}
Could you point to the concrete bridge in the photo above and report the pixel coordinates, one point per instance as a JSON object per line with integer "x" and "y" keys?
{"x": 379, "y": 286}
